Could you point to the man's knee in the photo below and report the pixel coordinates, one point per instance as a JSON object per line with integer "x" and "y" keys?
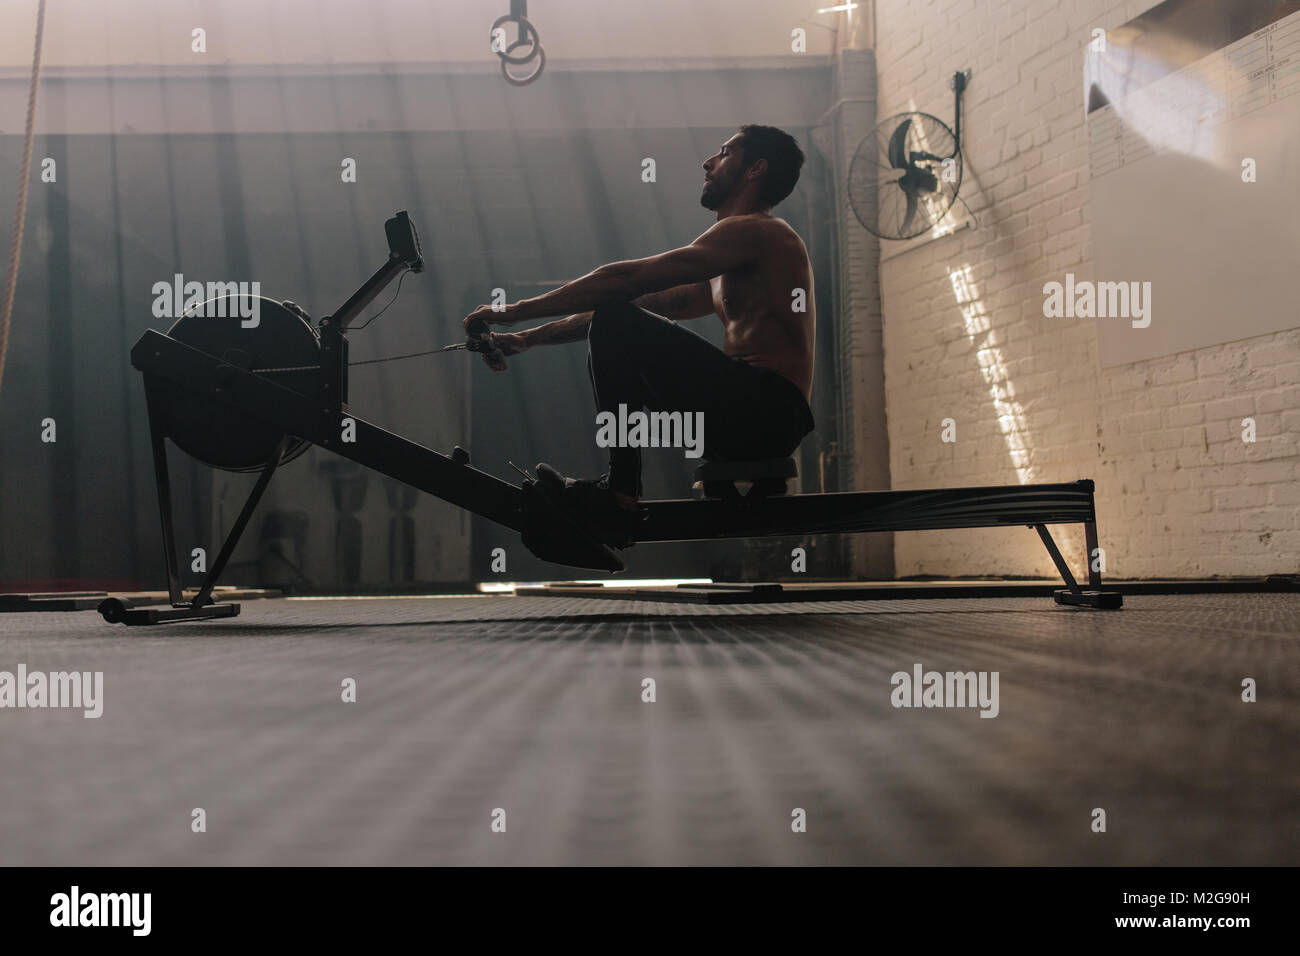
{"x": 608, "y": 310}
{"x": 609, "y": 318}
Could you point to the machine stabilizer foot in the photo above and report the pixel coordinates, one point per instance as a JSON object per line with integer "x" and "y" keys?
{"x": 115, "y": 611}
{"x": 1102, "y": 600}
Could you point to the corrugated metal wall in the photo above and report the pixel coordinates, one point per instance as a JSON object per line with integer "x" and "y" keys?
{"x": 236, "y": 176}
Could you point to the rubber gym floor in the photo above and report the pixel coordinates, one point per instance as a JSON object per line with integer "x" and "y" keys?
{"x": 533, "y": 706}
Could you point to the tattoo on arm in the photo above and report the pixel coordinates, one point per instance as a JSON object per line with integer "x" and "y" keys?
{"x": 679, "y": 302}
{"x": 572, "y": 328}
{"x": 664, "y": 303}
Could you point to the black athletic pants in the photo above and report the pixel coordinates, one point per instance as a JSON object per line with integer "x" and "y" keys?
{"x": 642, "y": 360}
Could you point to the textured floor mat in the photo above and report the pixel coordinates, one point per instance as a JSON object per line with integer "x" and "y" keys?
{"x": 534, "y": 707}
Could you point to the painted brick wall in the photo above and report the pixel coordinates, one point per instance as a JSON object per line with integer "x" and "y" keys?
{"x": 1179, "y": 492}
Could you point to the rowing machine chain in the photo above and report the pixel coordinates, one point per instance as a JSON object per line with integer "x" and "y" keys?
{"x": 390, "y": 358}
{"x": 303, "y": 314}
{"x": 294, "y": 307}
{"x": 287, "y": 368}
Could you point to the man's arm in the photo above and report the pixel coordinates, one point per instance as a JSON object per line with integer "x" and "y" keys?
{"x": 726, "y": 245}
{"x": 691, "y": 301}
{"x": 570, "y": 329}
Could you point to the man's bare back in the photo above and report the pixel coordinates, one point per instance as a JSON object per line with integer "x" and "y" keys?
{"x": 757, "y": 304}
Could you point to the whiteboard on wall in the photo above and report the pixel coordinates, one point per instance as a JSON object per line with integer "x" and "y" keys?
{"x": 1179, "y": 102}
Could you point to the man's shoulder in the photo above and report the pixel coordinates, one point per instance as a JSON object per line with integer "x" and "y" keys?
{"x": 777, "y": 229}
{"x": 762, "y": 239}
{"x": 755, "y": 226}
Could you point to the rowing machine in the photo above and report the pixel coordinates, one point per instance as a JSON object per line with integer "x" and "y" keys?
{"x": 250, "y": 399}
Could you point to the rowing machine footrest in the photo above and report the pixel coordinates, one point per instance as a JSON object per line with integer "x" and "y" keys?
{"x": 766, "y": 477}
{"x": 1102, "y": 600}
{"x": 554, "y": 536}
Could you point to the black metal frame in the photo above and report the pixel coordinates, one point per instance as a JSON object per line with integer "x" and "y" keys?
{"x": 319, "y": 418}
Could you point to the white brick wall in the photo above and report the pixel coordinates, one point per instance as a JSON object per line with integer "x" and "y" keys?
{"x": 1179, "y": 493}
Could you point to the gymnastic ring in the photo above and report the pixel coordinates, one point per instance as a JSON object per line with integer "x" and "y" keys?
{"x": 525, "y": 28}
{"x": 514, "y": 81}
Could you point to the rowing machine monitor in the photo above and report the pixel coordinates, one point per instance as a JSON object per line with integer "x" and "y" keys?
{"x": 404, "y": 241}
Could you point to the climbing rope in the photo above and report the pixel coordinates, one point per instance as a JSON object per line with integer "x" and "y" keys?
{"x": 11, "y": 278}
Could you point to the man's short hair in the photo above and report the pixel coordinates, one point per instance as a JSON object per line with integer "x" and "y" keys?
{"x": 783, "y": 155}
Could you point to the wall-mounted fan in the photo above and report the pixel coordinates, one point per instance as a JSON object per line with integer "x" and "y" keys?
{"x": 905, "y": 175}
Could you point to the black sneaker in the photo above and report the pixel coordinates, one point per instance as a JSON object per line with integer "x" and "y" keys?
{"x": 592, "y": 504}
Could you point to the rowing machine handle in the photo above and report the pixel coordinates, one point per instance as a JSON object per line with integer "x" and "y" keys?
{"x": 479, "y": 337}
{"x": 481, "y": 341}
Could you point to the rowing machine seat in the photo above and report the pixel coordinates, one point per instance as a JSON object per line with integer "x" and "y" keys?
{"x": 764, "y": 477}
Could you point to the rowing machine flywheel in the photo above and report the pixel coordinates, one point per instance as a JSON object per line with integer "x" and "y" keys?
{"x": 214, "y": 433}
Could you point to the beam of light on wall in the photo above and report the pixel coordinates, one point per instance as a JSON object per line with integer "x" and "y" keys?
{"x": 1173, "y": 99}
{"x": 1011, "y": 417}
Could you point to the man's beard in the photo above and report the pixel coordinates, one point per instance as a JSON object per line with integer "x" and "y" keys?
{"x": 711, "y": 197}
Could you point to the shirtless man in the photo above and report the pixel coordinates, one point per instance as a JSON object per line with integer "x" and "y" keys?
{"x": 751, "y": 269}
